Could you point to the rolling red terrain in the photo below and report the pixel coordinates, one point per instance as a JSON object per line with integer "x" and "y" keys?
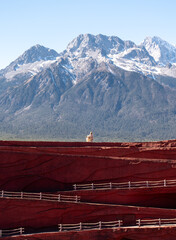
{"x": 54, "y": 167}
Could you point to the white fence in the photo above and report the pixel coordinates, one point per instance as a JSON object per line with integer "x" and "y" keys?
{"x": 115, "y": 224}
{"x": 39, "y": 196}
{"x": 126, "y": 185}
{"x": 11, "y": 232}
{"x": 98, "y": 225}
{"x": 158, "y": 222}
{"x": 88, "y": 226}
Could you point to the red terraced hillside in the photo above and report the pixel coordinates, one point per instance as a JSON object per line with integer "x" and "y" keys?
{"x": 31, "y": 171}
{"x": 130, "y": 151}
{"x": 162, "y": 197}
{"x": 163, "y": 149}
{"x": 38, "y": 215}
{"x": 167, "y": 143}
{"x": 56, "y": 166}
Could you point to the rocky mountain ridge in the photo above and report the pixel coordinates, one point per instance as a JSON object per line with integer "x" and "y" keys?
{"x": 100, "y": 83}
{"x": 124, "y": 54}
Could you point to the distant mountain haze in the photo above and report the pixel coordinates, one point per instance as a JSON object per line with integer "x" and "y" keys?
{"x": 117, "y": 89}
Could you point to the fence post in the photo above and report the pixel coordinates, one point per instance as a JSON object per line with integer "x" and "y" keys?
{"x": 0, "y": 233}
{"x": 100, "y": 225}
{"x": 74, "y": 186}
{"x": 119, "y": 223}
{"x": 60, "y": 227}
{"x": 159, "y": 221}
{"x": 40, "y": 196}
{"x": 76, "y": 198}
{"x": 2, "y": 194}
{"x": 139, "y": 222}
{"x": 21, "y": 231}
{"x": 164, "y": 182}
{"x": 129, "y": 184}
{"x": 80, "y": 226}
{"x": 21, "y": 194}
{"x": 147, "y": 183}
{"x": 92, "y": 186}
{"x": 59, "y": 198}
{"x": 110, "y": 185}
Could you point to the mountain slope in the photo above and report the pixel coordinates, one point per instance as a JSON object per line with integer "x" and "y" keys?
{"x": 30, "y": 63}
{"x": 115, "y": 104}
{"x": 104, "y": 84}
{"x": 44, "y": 88}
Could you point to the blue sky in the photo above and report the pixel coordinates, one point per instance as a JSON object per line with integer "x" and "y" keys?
{"x": 54, "y": 23}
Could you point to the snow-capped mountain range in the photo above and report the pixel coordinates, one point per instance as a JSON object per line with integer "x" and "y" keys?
{"x": 152, "y": 57}
{"x": 102, "y": 79}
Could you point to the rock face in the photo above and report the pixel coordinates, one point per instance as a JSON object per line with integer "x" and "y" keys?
{"x": 41, "y": 215}
{"x": 162, "y": 197}
{"x": 51, "y": 172}
{"x": 54, "y": 167}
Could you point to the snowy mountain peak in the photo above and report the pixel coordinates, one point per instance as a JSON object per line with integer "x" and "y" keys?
{"x": 158, "y": 41}
{"x": 162, "y": 51}
{"x": 109, "y": 49}
{"x": 87, "y": 51}
{"x": 37, "y": 53}
{"x": 30, "y": 61}
{"x": 88, "y": 44}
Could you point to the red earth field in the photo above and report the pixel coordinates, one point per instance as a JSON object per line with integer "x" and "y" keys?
{"x": 55, "y": 167}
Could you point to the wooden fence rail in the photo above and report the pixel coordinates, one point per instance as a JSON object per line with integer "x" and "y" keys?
{"x": 88, "y": 226}
{"x": 159, "y": 222}
{"x": 11, "y": 232}
{"x": 126, "y": 185}
{"x": 98, "y": 225}
{"x": 115, "y": 224}
{"x": 39, "y": 196}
